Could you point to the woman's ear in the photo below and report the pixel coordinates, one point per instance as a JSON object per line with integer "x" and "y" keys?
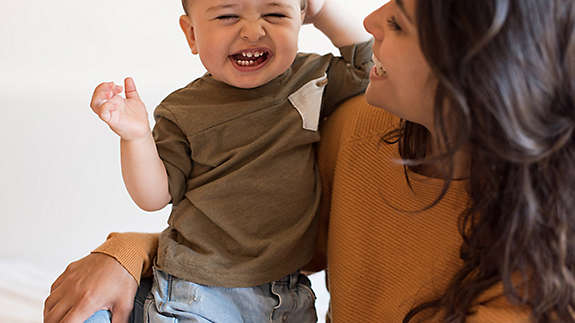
{"x": 188, "y": 29}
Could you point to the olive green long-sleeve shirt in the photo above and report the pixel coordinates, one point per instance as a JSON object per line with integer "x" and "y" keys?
{"x": 242, "y": 171}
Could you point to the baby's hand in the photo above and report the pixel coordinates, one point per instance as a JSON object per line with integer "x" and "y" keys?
{"x": 127, "y": 117}
{"x": 312, "y": 10}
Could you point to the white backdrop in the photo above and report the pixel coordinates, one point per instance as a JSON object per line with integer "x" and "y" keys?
{"x": 61, "y": 190}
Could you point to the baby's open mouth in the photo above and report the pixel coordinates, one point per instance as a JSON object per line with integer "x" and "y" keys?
{"x": 253, "y": 57}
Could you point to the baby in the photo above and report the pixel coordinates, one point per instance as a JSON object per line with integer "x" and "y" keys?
{"x": 233, "y": 152}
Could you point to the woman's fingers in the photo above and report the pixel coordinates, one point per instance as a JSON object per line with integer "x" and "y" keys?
{"x": 121, "y": 314}
{"x": 58, "y": 281}
{"x": 55, "y": 308}
{"x": 79, "y": 313}
{"x": 50, "y": 302}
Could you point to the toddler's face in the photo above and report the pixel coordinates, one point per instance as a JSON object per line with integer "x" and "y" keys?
{"x": 244, "y": 43}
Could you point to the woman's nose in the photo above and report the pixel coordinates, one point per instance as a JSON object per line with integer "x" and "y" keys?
{"x": 373, "y": 23}
{"x": 252, "y": 31}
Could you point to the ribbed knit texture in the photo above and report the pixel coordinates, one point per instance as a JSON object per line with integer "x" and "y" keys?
{"x": 382, "y": 260}
{"x": 384, "y": 254}
{"x": 135, "y": 251}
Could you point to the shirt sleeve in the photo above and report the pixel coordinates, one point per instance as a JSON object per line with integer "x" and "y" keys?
{"x": 174, "y": 150}
{"x": 134, "y": 251}
{"x": 348, "y": 75}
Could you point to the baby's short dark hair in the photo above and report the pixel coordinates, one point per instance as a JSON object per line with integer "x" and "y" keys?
{"x": 185, "y": 5}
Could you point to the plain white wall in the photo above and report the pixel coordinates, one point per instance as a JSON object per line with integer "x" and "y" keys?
{"x": 61, "y": 190}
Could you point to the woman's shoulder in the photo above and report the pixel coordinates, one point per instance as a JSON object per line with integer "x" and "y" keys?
{"x": 355, "y": 119}
{"x": 354, "y": 123}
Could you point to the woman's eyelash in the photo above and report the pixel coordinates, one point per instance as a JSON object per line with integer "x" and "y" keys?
{"x": 392, "y": 23}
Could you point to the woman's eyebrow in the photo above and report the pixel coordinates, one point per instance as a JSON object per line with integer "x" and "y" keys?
{"x": 401, "y": 6}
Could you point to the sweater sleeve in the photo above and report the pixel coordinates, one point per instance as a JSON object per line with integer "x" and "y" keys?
{"x": 134, "y": 251}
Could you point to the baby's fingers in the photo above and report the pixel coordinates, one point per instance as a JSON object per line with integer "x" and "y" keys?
{"x": 107, "y": 108}
{"x": 103, "y": 93}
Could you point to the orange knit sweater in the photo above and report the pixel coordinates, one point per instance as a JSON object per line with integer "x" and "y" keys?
{"x": 382, "y": 257}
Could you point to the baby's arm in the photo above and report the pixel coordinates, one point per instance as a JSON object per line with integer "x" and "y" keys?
{"x": 337, "y": 23}
{"x": 143, "y": 171}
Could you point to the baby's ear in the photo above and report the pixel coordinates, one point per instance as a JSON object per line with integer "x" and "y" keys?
{"x": 188, "y": 29}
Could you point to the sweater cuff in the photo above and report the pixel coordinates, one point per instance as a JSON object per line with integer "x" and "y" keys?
{"x": 134, "y": 251}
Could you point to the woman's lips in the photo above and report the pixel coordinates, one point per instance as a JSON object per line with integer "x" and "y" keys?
{"x": 379, "y": 69}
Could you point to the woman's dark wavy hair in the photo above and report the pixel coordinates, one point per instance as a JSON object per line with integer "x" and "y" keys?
{"x": 506, "y": 91}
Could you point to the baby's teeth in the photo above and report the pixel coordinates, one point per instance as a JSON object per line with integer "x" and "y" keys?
{"x": 252, "y": 54}
{"x": 245, "y": 63}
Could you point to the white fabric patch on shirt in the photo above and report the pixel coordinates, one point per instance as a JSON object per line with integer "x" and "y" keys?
{"x": 307, "y": 101}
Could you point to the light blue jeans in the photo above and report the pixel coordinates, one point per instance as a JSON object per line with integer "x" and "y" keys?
{"x": 174, "y": 300}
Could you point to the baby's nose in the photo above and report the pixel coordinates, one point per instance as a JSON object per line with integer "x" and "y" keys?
{"x": 253, "y": 31}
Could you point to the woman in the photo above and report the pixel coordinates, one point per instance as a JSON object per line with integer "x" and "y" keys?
{"x": 477, "y": 223}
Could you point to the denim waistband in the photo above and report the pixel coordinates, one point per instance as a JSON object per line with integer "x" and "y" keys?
{"x": 291, "y": 280}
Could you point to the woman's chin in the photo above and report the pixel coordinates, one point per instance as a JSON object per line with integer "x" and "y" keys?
{"x": 374, "y": 97}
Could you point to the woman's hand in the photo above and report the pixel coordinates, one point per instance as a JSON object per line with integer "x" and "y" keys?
{"x": 127, "y": 117}
{"x": 95, "y": 282}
